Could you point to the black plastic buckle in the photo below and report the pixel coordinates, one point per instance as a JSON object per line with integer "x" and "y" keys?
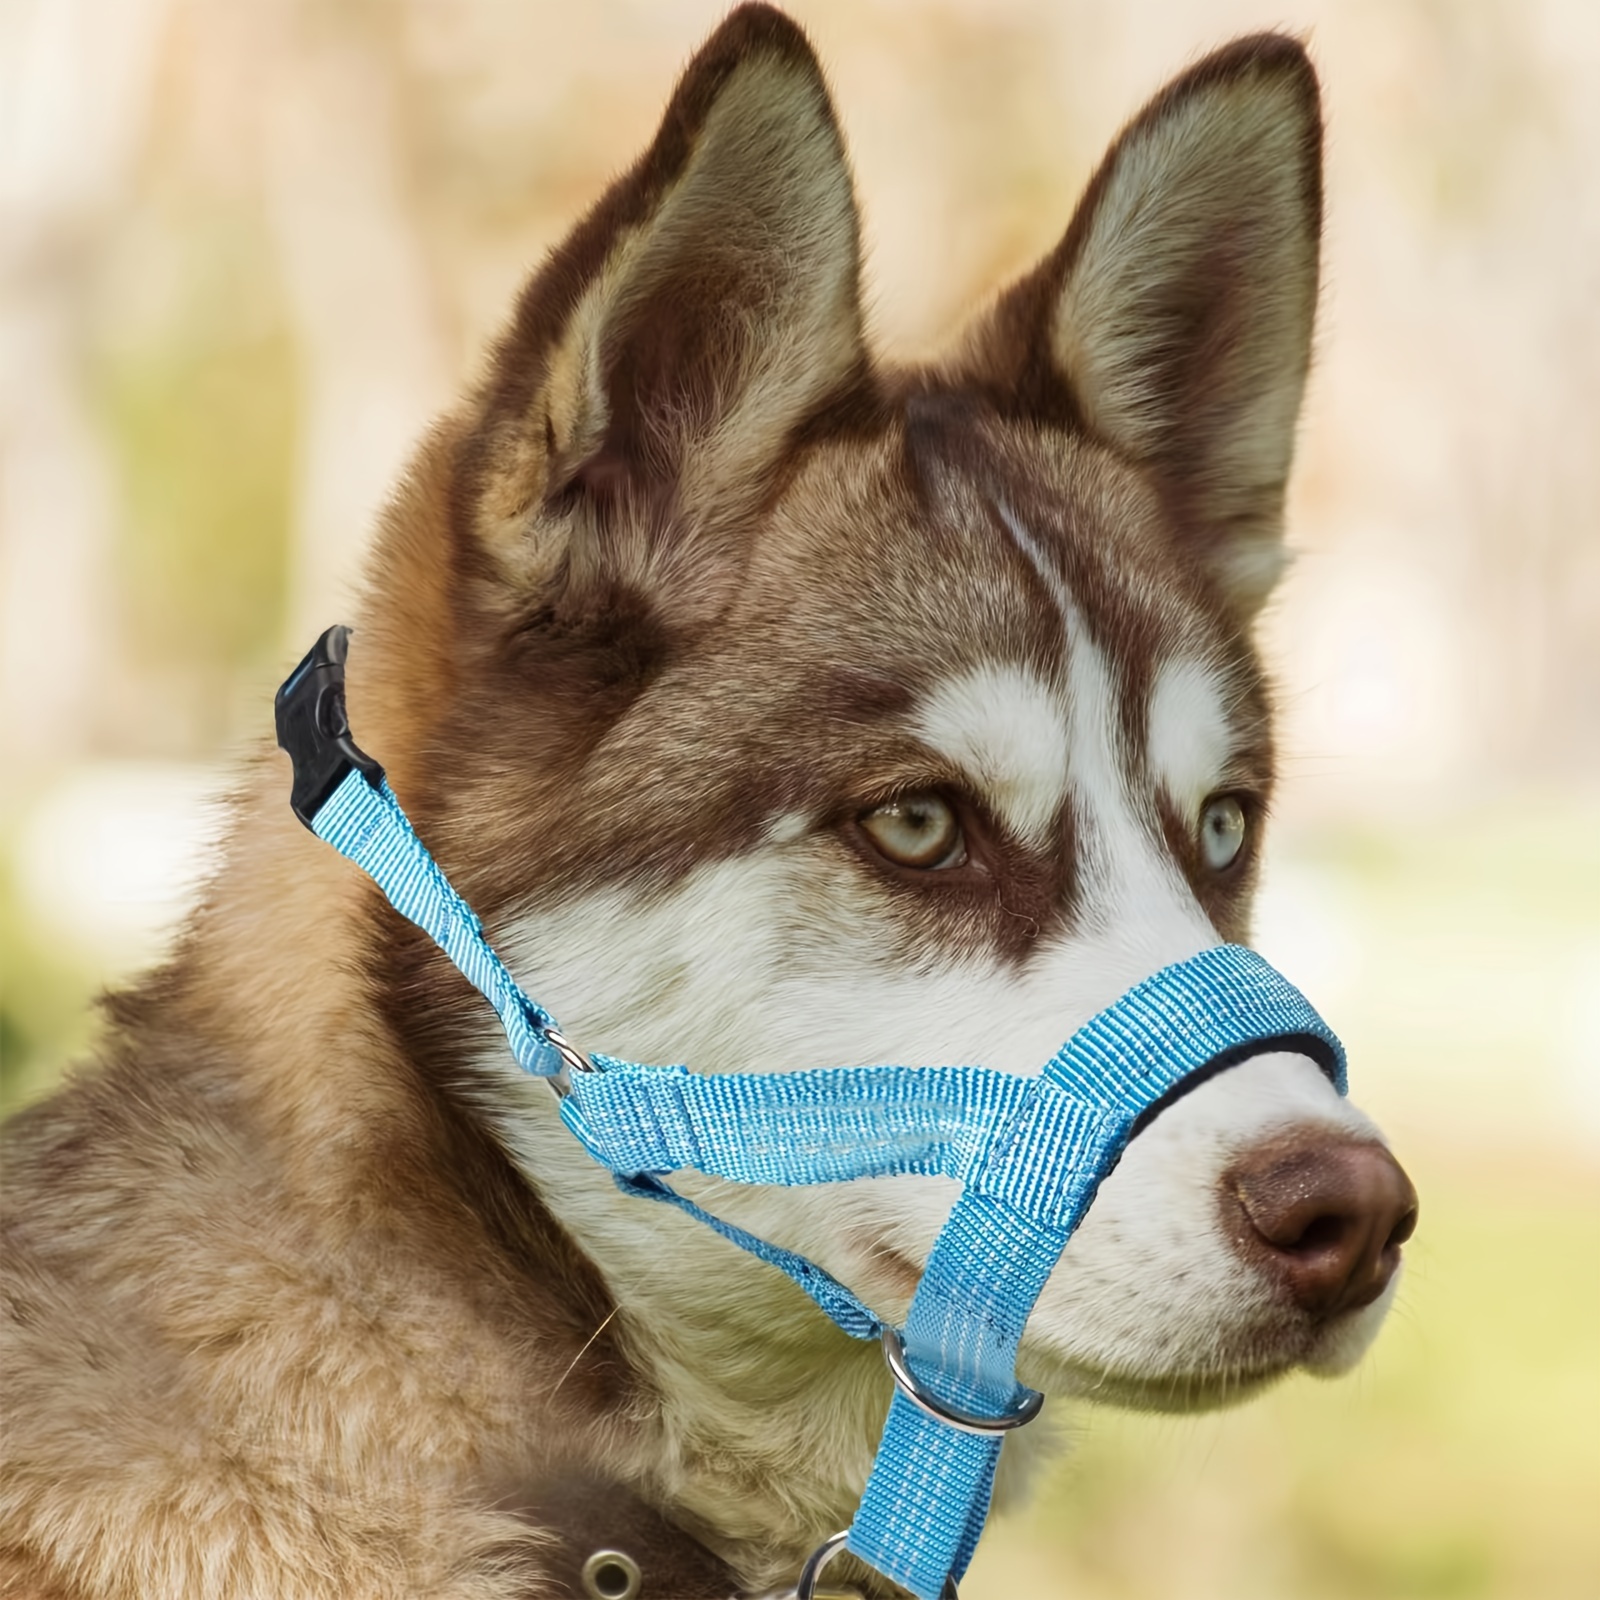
{"x": 314, "y": 727}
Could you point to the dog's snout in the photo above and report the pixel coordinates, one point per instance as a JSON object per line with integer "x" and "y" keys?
{"x": 1325, "y": 1216}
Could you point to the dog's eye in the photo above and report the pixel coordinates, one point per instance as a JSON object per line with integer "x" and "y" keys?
{"x": 1222, "y": 831}
{"x": 917, "y": 830}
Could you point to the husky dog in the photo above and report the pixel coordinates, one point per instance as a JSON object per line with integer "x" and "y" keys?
{"x": 775, "y": 707}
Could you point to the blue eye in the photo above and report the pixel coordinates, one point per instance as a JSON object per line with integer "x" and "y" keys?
{"x": 1222, "y": 832}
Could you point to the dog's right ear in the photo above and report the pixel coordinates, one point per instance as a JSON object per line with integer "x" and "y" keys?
{"x": 660, "y": 361}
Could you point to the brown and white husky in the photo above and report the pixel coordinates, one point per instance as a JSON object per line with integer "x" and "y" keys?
{"x": 775, "y": 707}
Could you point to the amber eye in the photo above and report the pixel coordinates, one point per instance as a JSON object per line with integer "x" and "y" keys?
{"x": 1222, "y": 831}
{"x": 917, "y": 830}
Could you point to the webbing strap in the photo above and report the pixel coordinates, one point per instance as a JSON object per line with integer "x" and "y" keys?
{"x": 365, "y": 822}
{"x": 1029, "y": 1152}
{"x": 927, "y": 1498}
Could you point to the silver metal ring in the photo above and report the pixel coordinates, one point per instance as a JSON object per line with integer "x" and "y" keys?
{"x": 1023, "y": 1412}
{"x": 571, "y": 1056}
{"x": 611, "y": 1575}
{"x": 806, "y": 1587}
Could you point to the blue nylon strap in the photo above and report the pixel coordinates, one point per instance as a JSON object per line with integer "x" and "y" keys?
{"x": 366, "y": 823}
{"x": 841, "y": 1305}
{"x": 1030, "y": 1153}
{"x": 928, "y": 1495}
{"x": 993, "y": 1131}
{"x": 794, "y": 1127}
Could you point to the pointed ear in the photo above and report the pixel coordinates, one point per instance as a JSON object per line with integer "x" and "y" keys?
{"x": 1174, "y": 319}
{"x": 660, "y": 362}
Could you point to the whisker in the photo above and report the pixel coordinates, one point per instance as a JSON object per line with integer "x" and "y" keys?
{"x": 583, "y": 1352}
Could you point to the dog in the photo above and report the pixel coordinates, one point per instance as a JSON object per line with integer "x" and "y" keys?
{"x": 775, "y": 707}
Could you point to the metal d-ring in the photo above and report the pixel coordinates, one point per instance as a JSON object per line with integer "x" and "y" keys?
{"x": 1023, "y": 1412}
{"x": 806, "y": 1587}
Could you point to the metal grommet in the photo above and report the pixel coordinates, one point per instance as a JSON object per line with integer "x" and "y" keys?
{"x": 1025, "y": 1410}
{"x": 611, "y": 1575}
{"x": 806, "y": 1588}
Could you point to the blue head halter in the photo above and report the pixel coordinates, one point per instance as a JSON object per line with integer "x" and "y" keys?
{"x": 1029, "y": 1152}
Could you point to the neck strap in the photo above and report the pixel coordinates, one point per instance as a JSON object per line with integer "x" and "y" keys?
{"x": 1030, "y": 1152}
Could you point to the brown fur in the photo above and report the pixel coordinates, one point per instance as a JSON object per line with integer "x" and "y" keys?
{"x": 282, "y": 1318}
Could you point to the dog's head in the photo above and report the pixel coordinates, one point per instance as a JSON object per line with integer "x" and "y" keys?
{"x": 779, "y": 709}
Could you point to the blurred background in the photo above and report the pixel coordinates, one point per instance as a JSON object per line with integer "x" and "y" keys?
{"x": 249, "y": 247}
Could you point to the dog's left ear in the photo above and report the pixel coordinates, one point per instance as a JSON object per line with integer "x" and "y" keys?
{"x": 661, "y": 360}
{"x": 1173, "y": 322}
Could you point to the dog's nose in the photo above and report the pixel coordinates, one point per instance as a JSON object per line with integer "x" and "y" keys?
{"x": 1325, "y": 1216}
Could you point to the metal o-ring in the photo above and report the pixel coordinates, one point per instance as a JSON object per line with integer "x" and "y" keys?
{"x": 806, "y": 1587}
{"x": 611, "y": 1575}
{"x": 572, "y": 1060}
{"x": 571, "y": 1056}
{"x": 1025, "y": 1410}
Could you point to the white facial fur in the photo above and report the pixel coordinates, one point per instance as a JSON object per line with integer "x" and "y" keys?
{"x": 1006, "y": 730}
{"x": 776, "y": 960}
{"x": 1188, "y": 732}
